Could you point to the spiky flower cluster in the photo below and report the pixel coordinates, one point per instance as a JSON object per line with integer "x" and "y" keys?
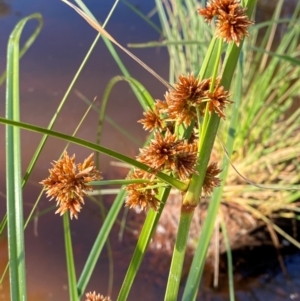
{"x": 181, "y": 103}
{"x": 211, "y": 180}
{"x": 68, "y": 183}
{"x": 142, "y": 195}
{"x": 168, "y": 153}
{"x": 232, "y": 22}
{"x": 96, "y": 297}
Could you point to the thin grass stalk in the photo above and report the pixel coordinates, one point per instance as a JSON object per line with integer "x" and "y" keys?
{"x": 146, "y": 101}
{"x": 103, "y": 212}
{"x": 15, "y": 224}
{"x": 2, "y": 226}
{"x": 229, "y": 261}
{"x": 99, "y": 243}
{"x": 109, "y": 120}
{"x": 102, "y": 110}
{"x": 141, "y": 15}
{"x": 70, "y": 259}
{"x": 148, "y": 229}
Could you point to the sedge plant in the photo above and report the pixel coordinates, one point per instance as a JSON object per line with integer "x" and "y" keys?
{"x": 184, "y": 126}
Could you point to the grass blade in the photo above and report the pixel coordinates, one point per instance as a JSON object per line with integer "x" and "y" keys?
{"x": 229, "y": 261}
{"x": 141, "y": 246}
{"x": 28, "y": 43}
{"x": 70, "y": 259}
{"x": 140, "y": 14}
{"x": 109, "y": 120}
{"x": 15, "y": 223}
{"x": 99, "y": 243}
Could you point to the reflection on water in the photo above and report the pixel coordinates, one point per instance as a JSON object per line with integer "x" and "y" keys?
{"x": 46, "y": 72}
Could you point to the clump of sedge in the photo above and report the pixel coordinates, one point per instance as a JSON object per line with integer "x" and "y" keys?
{"x": 168, "y": 153}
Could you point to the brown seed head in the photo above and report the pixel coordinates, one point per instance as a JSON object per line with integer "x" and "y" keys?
{"x": 211, "y": 179}
{"x": 159, "y": 154}
{"x": 232, "y": 22}
{"x": 182, "y": 101}
{"x": 141, "y": 194}
{"x": 170, "y": 154}
{"x": 68, "y": 185}
{"x": 94, "y": 297}
{"x": 185, "y": 159}
{"x": 188, "y": 88}
{"x": 218, "y": 100}
{"x": 209, "y": 11}
{"x": 152, "y": 120}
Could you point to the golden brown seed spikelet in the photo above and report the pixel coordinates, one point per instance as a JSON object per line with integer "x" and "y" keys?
{"x": 67, "y": 185}
{"x": 181, "y": 101}
{"x": 152, "y": 120}
{"x": 169, "y": 154}
{"x": 161, "y": 106}
{"x": 208, "y": 12}
{"x": 233, "y": 27}
{"x": 180, "y": 111}
{"x": 159, "y": 154}
{"x": 94, "y": 297}
{"x": 141, "y": 195}
{"x": 232, "y": 22}
{"x": 218, "y": 100}
{"x": 185, "y": 160}
{"x": 188, "y": 88}
{"x": 211, "y": 179}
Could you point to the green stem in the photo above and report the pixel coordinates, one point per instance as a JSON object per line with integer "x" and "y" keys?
{"x": 212, "y": 85}
{"x": 148, "y": 229}
{"x": 70, "y": 259}
{"x": 229, "y": 261}
{"x": 194, "y": 191}
{"x": 216, "y": 66}
{"x": 178, "y": 254}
